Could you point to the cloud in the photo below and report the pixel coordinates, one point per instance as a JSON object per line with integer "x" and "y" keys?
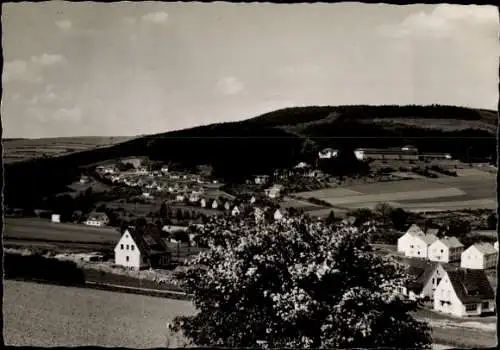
{"x": 230, "y": 86}
{"x": 129, "y": 20}
{"x": 443, "y": 20}
{"x": 64, "y": 24}
{"x": 70, "y": 115}
{"x": 47, "y": 59}
{"x": 19, "y": 70}
{"x": 155, "y": 17}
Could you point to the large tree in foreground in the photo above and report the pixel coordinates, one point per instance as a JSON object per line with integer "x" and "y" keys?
{"x": 296, "y": 283}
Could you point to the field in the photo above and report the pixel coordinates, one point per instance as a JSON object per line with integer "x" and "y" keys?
{"x": 44, "y": 230}
{"x": 23, "y": 149}
{"x": 472, "y": 189}
{"x": 46, "y": 315}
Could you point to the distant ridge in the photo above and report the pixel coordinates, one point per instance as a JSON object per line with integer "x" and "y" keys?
{"x": 275, "y": 140}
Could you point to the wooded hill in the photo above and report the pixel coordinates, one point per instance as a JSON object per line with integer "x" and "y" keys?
{"x": 274, "y": 140}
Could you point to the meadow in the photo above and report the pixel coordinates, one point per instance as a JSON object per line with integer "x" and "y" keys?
{"x": 23, "y": 149}
{"x": 47, "y": 315}
{"x": 44, "y": 230}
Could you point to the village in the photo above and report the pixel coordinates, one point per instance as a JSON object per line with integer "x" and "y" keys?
{"x": 449, "y": 278}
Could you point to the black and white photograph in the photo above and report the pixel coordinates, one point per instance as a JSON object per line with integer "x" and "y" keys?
{"x": 250, "y": 175}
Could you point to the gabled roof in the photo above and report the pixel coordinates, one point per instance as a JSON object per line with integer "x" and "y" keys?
{"x": 451, "y": 242}
{"x": 422, "y": 271}
{"x": 415, "y": 230}
{"x": 432, "y": 231}
{"x": 148, "y": 241}
{"x": 429, "y": 238}
{"x": 471, "y": 285}
{"x": 485, "y": 248}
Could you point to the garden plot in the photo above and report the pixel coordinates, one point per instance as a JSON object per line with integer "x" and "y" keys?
{"x": 397, "y": 186}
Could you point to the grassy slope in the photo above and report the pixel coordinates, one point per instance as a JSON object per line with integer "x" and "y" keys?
{"x": 276, "y": 139}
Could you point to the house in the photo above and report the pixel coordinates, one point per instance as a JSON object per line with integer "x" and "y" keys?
{"x": 235, "y": 211}
{"x": 385, "y": 154}
{"x": 97, "y": 220}
{"x": 195, "y": 196}
{"x": 146, "y": 195}
{"x": 180, "y": 198}
{"x": 409, "y": 148}
{"x": 141, "y": 249}
{"x": 425, "y": 278}
{"x": 415, "y": 243}
{"x": 214, "y": 203}
{"x": 164, "y": 169}
{"x": 56, "y": 218}
{"x": 278, "y": 215}
{"x": 447, "y": 249}
{"x": 496, "y": 246}
{"x": 84, "y": 179}
{"x": 479, "y": 256}
{"x": 261, "y": 179}
{"x": 464, "y": 292}
{"x": 173, "y": 228}
{"x": 302, "y": 165}
{"x": 259, "y": 215}
{"x": 328, "y": 153}
{"x": 227, "y": 205}
{"x": 274, "y": 191}
{"x": 252, "y": 200}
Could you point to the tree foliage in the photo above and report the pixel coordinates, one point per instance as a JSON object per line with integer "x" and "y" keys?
{"x": 296, "y": 283}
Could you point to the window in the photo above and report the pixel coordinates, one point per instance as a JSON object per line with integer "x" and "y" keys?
{"x": 485, "y": 305}
{"x": 127, "y": 246}
{"x": 470, "y": 307}
{"x": 411, "y": 246}
{"x": 132, "y": 246}
{"x": 126, "y": 258}
{"x": 442, "y": 250}
{"x": 121, "y": 246}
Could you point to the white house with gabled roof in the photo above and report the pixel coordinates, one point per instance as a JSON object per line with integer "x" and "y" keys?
{"x": 236, "y": 211}
{"x": 447, "y": 249}
{"x": 479, "y": 256}
{"x": 415, "y": 243}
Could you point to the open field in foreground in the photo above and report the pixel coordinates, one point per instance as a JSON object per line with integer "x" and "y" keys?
{"x": 22, "y": 149}
{"x": 42, "y": 229}
{"x": 473, "y": 190}
{"x": 46, "y": 315}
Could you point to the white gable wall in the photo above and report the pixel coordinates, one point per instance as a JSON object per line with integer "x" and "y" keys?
{"x": 417, "y": 249}
{"x": 404, "y": 242}
{"x": 472, "y": 258}
{"x": 438, "y": 251}
{"x": 130, "y": 257}
{"x": 446, "y": 300}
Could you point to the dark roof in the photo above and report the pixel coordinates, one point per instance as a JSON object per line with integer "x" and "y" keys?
{"x": 148, "y": 241}
{"x": 471, "y": 285}
{"x": 422, "y": 271}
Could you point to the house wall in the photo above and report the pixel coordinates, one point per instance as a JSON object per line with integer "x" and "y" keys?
{"x": 95, "y": 223}
{"x": 471, "y": 258}
{"x": 134, "y": 255}
{"x": 417, "y": 248}
{"x": 439, "y": 252}
{"x": 404, "y": 243}
{"x": 430, "y": 286}
{"x": 446, "y": 300}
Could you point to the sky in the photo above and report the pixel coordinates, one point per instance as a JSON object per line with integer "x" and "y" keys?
{"x": 123, "y": 69}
